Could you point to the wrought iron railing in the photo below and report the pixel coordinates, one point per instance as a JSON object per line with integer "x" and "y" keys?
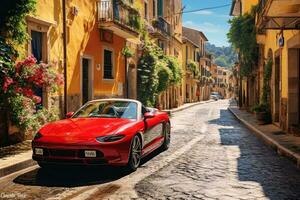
{"x": 163, "y": 26}
{"x": 120, "y": 11}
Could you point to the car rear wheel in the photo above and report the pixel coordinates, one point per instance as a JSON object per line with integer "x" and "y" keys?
{"x": 135, "y": 154}
{"x": 167, "y": 137}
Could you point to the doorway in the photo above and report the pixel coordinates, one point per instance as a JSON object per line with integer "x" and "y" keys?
{"x": 86, "y": 80}
{"x": 277, "y": 81}
{"x": 293, "y": 86}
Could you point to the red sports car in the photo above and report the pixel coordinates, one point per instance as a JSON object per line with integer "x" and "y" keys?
{"x": 103, "y": 132}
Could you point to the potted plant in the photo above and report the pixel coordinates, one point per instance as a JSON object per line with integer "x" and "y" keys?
{"x": 262, "y": 113}
{"x": 295, "y": 130}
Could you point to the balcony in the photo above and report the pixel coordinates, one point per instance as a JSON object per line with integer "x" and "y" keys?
{"x": 120, "y": 17}
{"x": 278, "y": 15}
{"x": 162, "y": 27}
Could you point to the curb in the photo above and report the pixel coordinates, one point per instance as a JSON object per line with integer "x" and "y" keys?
{"x": 281, "y": 150}
{"x": 190, "y": 106}
{"x": 16, "y": 167}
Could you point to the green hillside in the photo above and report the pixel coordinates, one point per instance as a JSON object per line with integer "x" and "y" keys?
{"x": 224, "y": 56}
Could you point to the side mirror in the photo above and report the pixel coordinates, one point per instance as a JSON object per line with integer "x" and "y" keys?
{"x": 148, "y": 115}
{"x": 69, "y": 114}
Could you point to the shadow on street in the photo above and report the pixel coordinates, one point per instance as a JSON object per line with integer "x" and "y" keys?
{"x": 278, "y": 176}
{"x": 76, "y": 176}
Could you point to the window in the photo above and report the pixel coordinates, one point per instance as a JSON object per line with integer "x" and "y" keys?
{"x": 37, "y": 52}
{"x": 154, "y": 8}
{"x": 108, "y": 65}
{"x": 161, "y": 45}
{"x": 36, "y": 45}
{"x": 146, "y": 10}
{"x": 187, "y": 54}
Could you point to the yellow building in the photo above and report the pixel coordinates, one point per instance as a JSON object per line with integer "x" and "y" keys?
{"x": 196, "y": 87}
{"x": 279, "y": 40}
{"x": 278, "y": 37}
{"x": 190, "y": 78}
{"x": 86, "y": 39}
{"x": 89, "y": 46}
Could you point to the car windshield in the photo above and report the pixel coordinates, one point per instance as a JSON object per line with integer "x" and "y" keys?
{"x": 108, "y": 109}
{"x": 214, "y": 93}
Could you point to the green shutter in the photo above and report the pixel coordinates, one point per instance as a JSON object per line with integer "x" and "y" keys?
{"x": 160, "y": 9}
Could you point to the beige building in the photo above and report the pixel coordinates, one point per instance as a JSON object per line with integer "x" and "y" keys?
{"x": 196, "y": 87}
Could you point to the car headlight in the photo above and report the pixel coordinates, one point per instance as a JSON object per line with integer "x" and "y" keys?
{"x": 37, "y": 136}
{"x": 110, "y": 138}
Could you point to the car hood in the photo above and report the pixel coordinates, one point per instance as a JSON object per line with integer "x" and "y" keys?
{"x": 81, "y": 129}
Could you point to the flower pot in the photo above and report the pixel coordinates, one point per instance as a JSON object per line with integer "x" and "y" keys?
{"x": 262, "y": 117}
{"x": 295, "y": 130}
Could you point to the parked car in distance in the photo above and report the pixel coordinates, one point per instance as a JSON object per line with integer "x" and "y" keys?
{"x": 215, "y": 96}
{"x": 103, "y": 132}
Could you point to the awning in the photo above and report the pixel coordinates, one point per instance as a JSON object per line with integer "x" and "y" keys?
{"x": 280, "y": 15}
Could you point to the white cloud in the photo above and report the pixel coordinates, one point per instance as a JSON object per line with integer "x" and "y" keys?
{"x": 204, "y": 12}
{"x": 205, "y": 27}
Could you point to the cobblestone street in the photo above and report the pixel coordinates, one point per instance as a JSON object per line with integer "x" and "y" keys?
{"x": 212, "y": 156}
{"x": 229, "y": 163}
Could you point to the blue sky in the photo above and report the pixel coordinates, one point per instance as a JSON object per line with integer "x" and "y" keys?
{"x": 213, "y": 23}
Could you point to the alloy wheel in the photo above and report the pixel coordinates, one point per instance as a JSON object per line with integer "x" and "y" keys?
{"x": 136, "y": 152}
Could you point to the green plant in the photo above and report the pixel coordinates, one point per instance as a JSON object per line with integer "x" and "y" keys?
{"x": 266, "y": 82}
{"x": 193, "y": 67}
{"x": 17, "y": 90}
{"x": 164, "y": 74}
{"x": 135, "y": 21}
{"x": 127, "y": 52}
{"x": 242, "y": 35}
{"x": 12, "y": 19}
{"x": 156, "y": 72}
{"x": 173, "y": 65}
{"x": 260, "y": 108}
{"x": 147, "y": 78}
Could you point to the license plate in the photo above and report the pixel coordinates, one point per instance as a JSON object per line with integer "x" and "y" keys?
{"x": 90, "y": 154}
{"x": 39, "y": 151}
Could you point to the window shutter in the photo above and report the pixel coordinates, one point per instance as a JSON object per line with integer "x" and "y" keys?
{"x": 160, "y": 8}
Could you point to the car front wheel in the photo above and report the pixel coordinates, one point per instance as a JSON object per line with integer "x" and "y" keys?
{"x": 135, "y": 154}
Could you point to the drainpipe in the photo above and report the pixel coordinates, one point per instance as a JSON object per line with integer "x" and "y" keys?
{"x": 65, "y": 55}
{"x": 126, "y": 77}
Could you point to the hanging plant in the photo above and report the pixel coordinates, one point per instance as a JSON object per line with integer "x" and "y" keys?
{"x": 127, "y": 52}
{"x": 193, "y": 67}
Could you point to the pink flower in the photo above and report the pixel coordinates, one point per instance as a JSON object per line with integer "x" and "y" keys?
{"x": 36, "y": 99}
{"x": 18, "y": 90}
{"x": 30, "y": 61}
{"x": 28, "y": 92}
{"x": 59, "y": 79}
{"x": 7, "y": 82}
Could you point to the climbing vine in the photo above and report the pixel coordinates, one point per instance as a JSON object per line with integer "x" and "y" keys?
{"x": 156, "y": 71}
{"x": 19, "y": 80}
{"x": 12, "y": 19}
{"x": 242, "y": 35}
{"x": 266, "y": 82}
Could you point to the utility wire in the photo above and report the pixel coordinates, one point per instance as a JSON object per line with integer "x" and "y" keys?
{"x": 197, "y": 10}
{"x": 208, "y": 8}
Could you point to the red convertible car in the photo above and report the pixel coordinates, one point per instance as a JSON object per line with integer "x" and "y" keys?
{"x": 103, "y": 132}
